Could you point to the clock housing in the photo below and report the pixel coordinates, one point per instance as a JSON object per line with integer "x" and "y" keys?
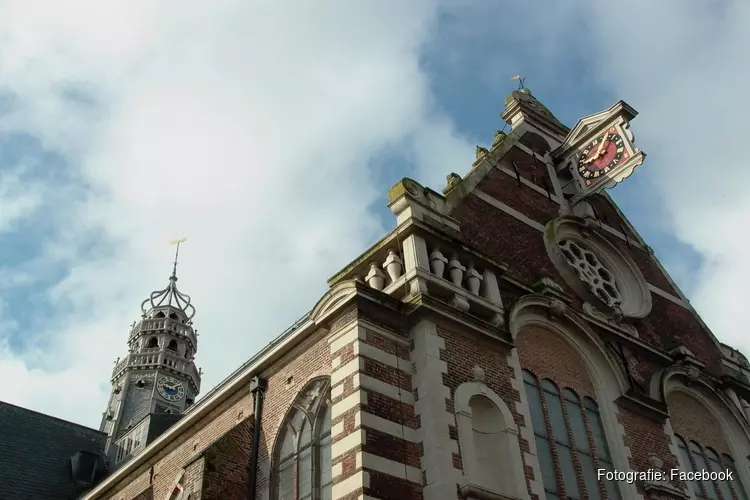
{"x": 170, "y": 388}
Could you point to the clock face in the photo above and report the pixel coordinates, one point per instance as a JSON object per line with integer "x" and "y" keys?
{"x": 170, "y": 388}
{"x": 602, "y": 155}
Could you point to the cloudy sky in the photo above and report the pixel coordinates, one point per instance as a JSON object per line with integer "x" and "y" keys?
{"x": 268, "y": 132}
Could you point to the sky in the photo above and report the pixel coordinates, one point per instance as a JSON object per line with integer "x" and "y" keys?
{"x": 268, "y": 133}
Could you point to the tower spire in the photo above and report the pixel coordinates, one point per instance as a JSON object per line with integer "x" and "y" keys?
{"x": 177, "y": 242}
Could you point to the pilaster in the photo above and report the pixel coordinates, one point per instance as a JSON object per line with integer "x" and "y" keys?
{"x": 374, "y": 448}
{"x": 439, "y": 474}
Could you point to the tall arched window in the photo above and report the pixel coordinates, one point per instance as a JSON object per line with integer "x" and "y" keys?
{"x": 699, "y": 458}
{"x": 302, "y": 457}
{"x": 569, "y": 437}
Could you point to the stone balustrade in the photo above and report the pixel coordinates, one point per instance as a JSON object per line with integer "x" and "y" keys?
{"x": 158, "y": 325}
{"x": 411, "y": 261}
{"x": 157, "y": 358}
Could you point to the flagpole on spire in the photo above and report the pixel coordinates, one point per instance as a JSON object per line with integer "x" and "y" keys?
{"x": 178, "y": 242}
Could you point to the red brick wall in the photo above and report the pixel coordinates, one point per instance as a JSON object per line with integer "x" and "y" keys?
{"x": 286, "y": 379}
{"x": 462, "y": 352}
{"x": 306, "y": 361}
{"x": 691, "y": 420}
{"x": 526, "y": 200}
{"x": 225, "y": 465}
{"x": 378, "y": 443}
{"x": 549, "y": 356}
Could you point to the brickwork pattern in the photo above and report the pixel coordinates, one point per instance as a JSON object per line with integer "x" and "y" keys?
{"x": 226, "y": 464}
{"x": 691, "y": 420}
{"x": 287, "y": 379}
{"x": 526, "y": 200}
{"x": 529, "y": 168}
{"x": 373, "y": 411}
{"x": 461, "y": 353}
{"x": 548, "y": 356}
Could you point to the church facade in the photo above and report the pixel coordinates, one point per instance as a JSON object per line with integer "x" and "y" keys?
{"x": 512, "y": 338}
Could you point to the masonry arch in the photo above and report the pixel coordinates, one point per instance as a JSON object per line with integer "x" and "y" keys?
{"x": 564, "y": 360}
{"x": 490, "y": 449}
{"x": 301, "y": 461}
{"x": 708, "y": 432}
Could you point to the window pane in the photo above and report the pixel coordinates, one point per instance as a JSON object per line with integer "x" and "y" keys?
{"x": 576, "y": 422}
{"x": 686, "y": 456}
{"x": 325, "y": 425}
{"x": 529, "y": 378}
{"x": 304, "y": 479}
{"x": 715, "y": 465}
{"x": 611, "y": 487}
{"x": 570, "y": 478}
{"x": 556, "y": 417}
{"x": 325, "y": 492}
{"x": 535, "y": 407}
{"x": 590, "y": 475}
{"x": 737, "y": 483}
{"x": 597, "y": 432}
{"x": 285, "y": 485}
{"x": 546, "y": 463}
{"x": 325, "y": 461}
{"x": 700, "y": 465}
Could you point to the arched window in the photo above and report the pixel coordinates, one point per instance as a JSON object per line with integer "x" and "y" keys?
{"x": 152, "y": 342}
{"x": 172, "y": 346}
{"x": 302, "y": 457}
{"x": 699, "y": 458}
{"x": 569, "y": 437}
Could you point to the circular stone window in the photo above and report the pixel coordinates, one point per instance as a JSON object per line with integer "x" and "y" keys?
{"x": 597, "y": 270}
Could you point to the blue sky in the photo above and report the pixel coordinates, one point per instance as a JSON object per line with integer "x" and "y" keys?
{"x": 269, "y": 135}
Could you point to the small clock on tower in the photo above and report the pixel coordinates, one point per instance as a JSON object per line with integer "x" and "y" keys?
{"x": 170, "y": 388}
{"x": 602, "y": 154}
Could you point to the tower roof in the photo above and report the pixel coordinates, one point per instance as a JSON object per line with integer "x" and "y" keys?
{"x": 170, "y": 296}
{"x": 525, "y": 99}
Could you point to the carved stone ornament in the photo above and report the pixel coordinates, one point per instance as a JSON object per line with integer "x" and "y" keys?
{"x": 595, "y": 269}
{"x": 478, "y": 373}
{"x": 657, "y": 485}
{"x": 692, "y": 374}
{"x": 453, "y": 180}
{"x": 615, "y": 320}
{"x": 481, "y": 152}
{"x": 556, "y": 309}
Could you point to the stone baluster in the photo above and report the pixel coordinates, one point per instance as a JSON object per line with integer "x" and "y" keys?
{"x": 393, "y": 265}
{"x": 375, "y": 278}
{"x": 473, "y": 279}
{"x": 437, "y": 262}
{"x": 456, "y": 271}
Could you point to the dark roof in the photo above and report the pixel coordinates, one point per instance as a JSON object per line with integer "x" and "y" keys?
{"x": 35, "y": 452}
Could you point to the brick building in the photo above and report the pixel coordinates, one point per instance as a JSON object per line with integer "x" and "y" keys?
{"x": 508, "y": 339}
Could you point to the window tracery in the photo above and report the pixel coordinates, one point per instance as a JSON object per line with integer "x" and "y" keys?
{"x": 302, "y": 459}
{"x": 570, "y": 441}
{"x": 597, "y": 278}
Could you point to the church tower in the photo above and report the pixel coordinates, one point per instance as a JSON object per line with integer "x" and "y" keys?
{"x": 157, "y": 380}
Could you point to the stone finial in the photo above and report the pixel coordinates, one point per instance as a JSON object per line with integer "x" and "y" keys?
{"x": 481, "y": 152}
{"x": 498, "y": 138}
{"x": 453, "y": 180}
{"x": 478, "y": 373}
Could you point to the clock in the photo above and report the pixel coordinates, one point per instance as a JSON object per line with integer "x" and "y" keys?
{"x": 170, "y": 388}
{"x": 602, "y": 155}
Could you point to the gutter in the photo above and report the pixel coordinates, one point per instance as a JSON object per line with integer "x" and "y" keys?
{"x": 258, "y": 389}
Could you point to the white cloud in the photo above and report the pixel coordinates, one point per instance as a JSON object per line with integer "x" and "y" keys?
{"x": 248, "y": 127}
